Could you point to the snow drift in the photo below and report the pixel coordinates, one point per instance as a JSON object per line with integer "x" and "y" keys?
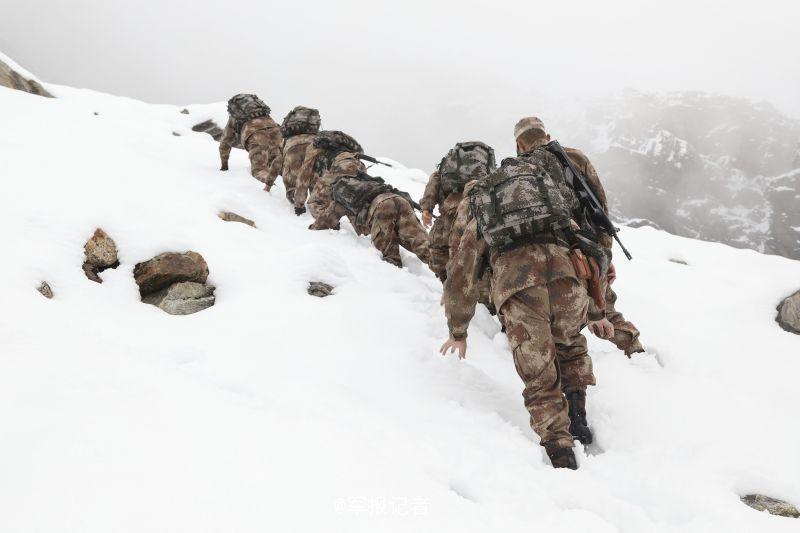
{"x": 277, "y": 411}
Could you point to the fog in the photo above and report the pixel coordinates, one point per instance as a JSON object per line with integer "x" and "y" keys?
{"x": 409, "y": 79}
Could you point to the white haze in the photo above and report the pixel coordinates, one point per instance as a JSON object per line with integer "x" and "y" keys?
{"x": 409, "y": 78}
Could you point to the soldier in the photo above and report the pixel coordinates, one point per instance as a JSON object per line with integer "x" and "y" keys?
{"x": 534, "y": 279}
{"x": 464, "y": 162}
{"x": 379, "y": 210}
{"x": 299, "y": 128}
{"x": 250, "y": 125}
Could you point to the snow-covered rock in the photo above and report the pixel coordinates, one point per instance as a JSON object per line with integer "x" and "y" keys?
{"x": 276, "y": 411}
{"x": 182, "y": 298}
{"x": 15, "y": 77}
{"x": 789, "y": 313}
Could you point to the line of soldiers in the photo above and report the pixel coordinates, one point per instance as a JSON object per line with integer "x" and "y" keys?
{"x": 516, "y": 238}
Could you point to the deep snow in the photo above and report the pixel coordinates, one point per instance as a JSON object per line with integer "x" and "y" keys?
{"x": 277, "y": 411}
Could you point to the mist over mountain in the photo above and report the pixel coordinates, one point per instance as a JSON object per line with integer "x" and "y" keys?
{"x": 700, "y": 165}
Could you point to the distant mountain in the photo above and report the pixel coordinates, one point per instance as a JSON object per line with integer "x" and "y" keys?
{"x": 700, "y": 165}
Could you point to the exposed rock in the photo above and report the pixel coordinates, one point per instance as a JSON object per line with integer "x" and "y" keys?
{"x": 96, "y": 113}
{"x": 210, "y": 127}
{"x": 168, "y": 268}
{"x": 182, "y": 298}
{"x": 13, "y": 80}
{"x": 45, "y": 289}
{"x": 678, "y": 261}
{"x": 771, "y": 505}
{"x": 100, "y": 253}
{"x": 319, "y": 289}
{"x": 176, "y": 134}
{"x": 184, "y": 111}
{"x": 229, "y": 216}
{"x": 789, "y": 313}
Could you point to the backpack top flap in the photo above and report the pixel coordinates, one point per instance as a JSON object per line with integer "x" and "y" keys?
{"x": 244, "y": 107}
{"x": 525, "y": 198}
{"x": 356, "y": 193}
{"x": 301, "y": 120}
{"x": 465, "y": 162}
{"x": 337, "y": 141}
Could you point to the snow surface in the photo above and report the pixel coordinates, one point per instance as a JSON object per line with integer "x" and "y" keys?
{"x": 277, "y": 411}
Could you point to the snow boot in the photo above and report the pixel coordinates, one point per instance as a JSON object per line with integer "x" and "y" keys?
{"x": 562, "y": 457}
{"x": 578, "y": 425}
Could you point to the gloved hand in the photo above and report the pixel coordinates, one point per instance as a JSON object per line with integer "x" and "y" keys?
{"x": 299, "y": 210}
{"x": 224, "y": 166}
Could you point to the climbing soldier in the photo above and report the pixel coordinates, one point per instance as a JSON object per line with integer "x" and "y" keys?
{"x": 464, "y": 162}
{"x": 250, "y": 125}
{"x": 299, "y": 128}
{"x": 532, "y": 234}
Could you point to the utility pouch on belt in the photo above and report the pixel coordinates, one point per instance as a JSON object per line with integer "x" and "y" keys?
{"x": 588, "y": 269}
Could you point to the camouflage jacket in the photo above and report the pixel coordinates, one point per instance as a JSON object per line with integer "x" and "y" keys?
{"x": 330, "y": 218}
{"x": 433, "y": 196}
{"x": 295, "y": 147}
{"x": 229, "y": 136}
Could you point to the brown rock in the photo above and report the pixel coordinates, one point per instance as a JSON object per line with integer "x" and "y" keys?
{"x": 100, "y": 253}
{"x": 229, "y": 216}
{"x": 13, "y": 80}
{"x": 774, "y": 506}
{"x": 45, "y": 289}
{"x": 319, "y": 289}
{"x": 168, "y": 268}
{"x": 789, "y": 313}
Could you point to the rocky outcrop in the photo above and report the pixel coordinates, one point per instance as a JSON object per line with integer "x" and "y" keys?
{"x": 774, "y": 506}
{"x": 168, "y": 268}
{"x": 229, "y": 216}
{"x": 13, "y": 80}
{"x": 789, "y": 313}
{"x": 100, "y": 253}
{"x": 175, "y": 282}
{"x": 182, "y": 298}
{"x": 319, "y": 289}
{"x": 45, "y": 290}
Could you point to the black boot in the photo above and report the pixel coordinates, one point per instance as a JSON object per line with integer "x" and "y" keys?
{"x": 562, "y": 458}
{"x": 578, "y": 425}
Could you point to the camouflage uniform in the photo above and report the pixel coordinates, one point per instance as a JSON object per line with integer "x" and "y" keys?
{"x": 294, "y": 153}
{"x": 262, "y": 139}
{"x": 543, "y": 306}
{"x": 390, "y": 221}
{"x": 439, "y": 236}
{"x": 343, "y": 164}
{"x": 310, "y": 172}
{"x": 626, "y": 336}
{"x": 460, "y": 221}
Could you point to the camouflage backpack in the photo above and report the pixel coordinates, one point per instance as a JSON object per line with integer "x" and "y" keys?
{"x": 465, "y": 162}
{"x": 245, "y": 107}
{"x": 356, "y": 193}
{"x": 527, "y": 197}
{"x": 337, "y": 141}
{"x": 300, "y": 120}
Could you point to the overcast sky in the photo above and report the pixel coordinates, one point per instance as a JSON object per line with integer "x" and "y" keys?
{"x": 409, "y": 78}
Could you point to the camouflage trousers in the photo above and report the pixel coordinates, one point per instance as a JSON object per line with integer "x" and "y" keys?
{"x": 543, "y": 325}
{"x": 292, "y": 163}
{"x": 265, "y": 156}
{"x": 394, "y": 224}
{"x": 439, "y": 239}
{"x": 626, "y": 336}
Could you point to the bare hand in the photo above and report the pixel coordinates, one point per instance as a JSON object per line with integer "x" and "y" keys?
{"x": 453, "y": 345}
{"x": 427, "y": 218}
{"x": 602, "y": 328}
{"x": 612, "y": 273}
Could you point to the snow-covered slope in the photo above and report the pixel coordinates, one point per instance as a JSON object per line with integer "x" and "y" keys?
{"x": 277, "y": 411}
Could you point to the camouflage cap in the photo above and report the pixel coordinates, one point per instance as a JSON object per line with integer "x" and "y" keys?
{"x": 527, "y": 124}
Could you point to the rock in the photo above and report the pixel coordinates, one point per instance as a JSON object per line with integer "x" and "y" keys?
{"x": 168, "y": 268}
{"x": 45, "y": 289}
{"x": 789, "y": 313}
{"x": 182, "y": 298}
{"x": 96, "y": 113}
{"x": 100, "y": 253}
{"x": 176, "y": 134}
{"x": 229, "y": 216}
{"x": 319, "y": 289}
{"x": 184, "y": 111}
{"x": 13, "y": 80}
{"x": 210, "y": 127}
{"x": 771, "y": 505}
{"x": 678, "y": 261}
